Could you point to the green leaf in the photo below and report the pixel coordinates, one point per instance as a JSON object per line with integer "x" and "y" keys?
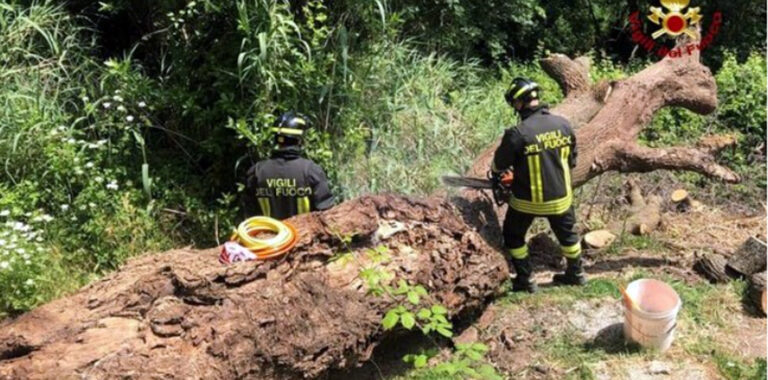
{"x": 424, "y": 314}
{"x": 487, "y": 372}
{"x": 413, "y": 298}
{"x": 444, "y": 332}
{"x": 439, "y": 309}
{"x": 407, "y": 320}
{"x": 420, "y": 361}
{"x": 420, "y": 290}
{"x": 480, "y": 347}
{"x": 474, "y": 355}
{"x": 145, "y": 180}
{"x": 390, "y": 319}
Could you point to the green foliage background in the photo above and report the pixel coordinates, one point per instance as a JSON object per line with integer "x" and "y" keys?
{"x": 126, "y": 126}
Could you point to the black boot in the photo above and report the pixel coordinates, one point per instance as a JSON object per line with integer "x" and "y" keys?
{"x": 574, "y": 274}
{"x": 522, "y": 282}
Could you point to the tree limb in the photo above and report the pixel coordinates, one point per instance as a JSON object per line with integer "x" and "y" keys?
{"x": 636, "y": 158}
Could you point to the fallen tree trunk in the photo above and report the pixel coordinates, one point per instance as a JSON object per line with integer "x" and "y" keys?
{"x": 180, "y": 314}
{"x": 609, "y": 116}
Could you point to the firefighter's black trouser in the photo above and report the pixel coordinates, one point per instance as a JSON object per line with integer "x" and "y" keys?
{"x": 516, "y": 225}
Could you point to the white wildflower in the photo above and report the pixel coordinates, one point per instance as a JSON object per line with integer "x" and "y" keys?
{"x": 5, "y": 213}
{"x": 73, "y": 218}
{"x": 99, "y": 179}
{"x": 21, "y": 251}
{"x": 107, "y": 105}
{"x": 129, "y": 118}
{"x": 71, "y": 141}
{"x": 89, "y": 165}
{"x": 102, "y": 142}
{"x": 29, "y": 282}
{"x": 46, "y": 218}
{"x": 117, "y": 98}
{"x": 121, "y": 108}
{"x": 91, "y": 205}
{"x": 86, "y": 99}
{"x": 3, "y": 242}
{"x": 142, "y": 104}
{"x": 4, "y": 265}
{"x": 93, "y": 146}
{"x": 64, "y": 207}
{"x": 79, "y": 171}
{"x": 112, "y": 185}
{"x": 61, "y": 128}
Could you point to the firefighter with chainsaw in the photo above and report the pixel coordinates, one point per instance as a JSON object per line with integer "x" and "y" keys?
{"x": 532, "y": 171}
{"x": 287, "y": 184}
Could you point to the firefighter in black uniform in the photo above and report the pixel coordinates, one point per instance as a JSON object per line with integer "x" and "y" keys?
{"x": 287, "y": 184}
{"x": 540, "y": 153}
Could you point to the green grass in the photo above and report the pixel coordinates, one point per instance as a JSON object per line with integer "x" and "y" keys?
{"x": 706, "y": 318}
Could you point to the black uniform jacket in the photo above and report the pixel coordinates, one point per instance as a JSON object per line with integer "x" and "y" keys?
{"x": 541, "y": 150}
{"x": 286, "y": 185}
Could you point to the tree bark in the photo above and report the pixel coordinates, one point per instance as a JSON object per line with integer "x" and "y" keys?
{"x": 609, "y": 116}
{"x": 180, "y": 314}
{"x": 712, "y": 267}
{"x": 750, "y": 258}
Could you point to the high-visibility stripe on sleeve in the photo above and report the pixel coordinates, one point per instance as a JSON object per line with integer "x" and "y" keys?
{"x": 519, "y": 253}
{"x": 571, "y": 252}
{"x": 265, "y": 208}
{"x": 302, "y": 205}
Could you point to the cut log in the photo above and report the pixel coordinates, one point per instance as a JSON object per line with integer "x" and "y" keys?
{"x": 599, "y": 239}
{"x": 749, "y": 259}
{"x": 182, "y": 314}
{"x": 712, "y": 267}
{"x": 756, "y": 291}
{"x": 679, "y": 195}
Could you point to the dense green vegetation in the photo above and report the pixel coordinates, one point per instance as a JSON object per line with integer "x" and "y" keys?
{"x": 126, "y": 126}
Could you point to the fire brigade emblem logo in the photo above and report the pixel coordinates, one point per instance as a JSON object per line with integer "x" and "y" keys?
{"x": 675, "y": 23}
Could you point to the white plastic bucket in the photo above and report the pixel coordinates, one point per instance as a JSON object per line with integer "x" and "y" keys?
{"x": 651, "y": 319}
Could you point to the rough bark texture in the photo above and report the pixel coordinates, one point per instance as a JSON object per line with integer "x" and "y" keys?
{"x": 182, "y": 314}
{"x": 608, "y": 118}
{"x": 712, "y": 267}
{"x": 756, "y": 291}
{"x": 749, "y": 259}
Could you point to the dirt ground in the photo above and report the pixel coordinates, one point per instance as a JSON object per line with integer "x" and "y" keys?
{"x": 578, "y": 333}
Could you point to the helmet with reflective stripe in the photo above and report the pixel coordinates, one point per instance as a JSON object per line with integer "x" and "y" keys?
{"x": 522, "y": 89}
{"x": 291, "y": 125}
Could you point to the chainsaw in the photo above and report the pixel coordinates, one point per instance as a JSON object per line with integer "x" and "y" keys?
{"x": 502, "y": 188}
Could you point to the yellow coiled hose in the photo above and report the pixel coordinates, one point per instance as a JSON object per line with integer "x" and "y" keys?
{"x": 285, "y": 236}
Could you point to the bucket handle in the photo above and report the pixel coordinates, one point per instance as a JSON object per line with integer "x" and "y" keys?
{"x": 672, "y": 328}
